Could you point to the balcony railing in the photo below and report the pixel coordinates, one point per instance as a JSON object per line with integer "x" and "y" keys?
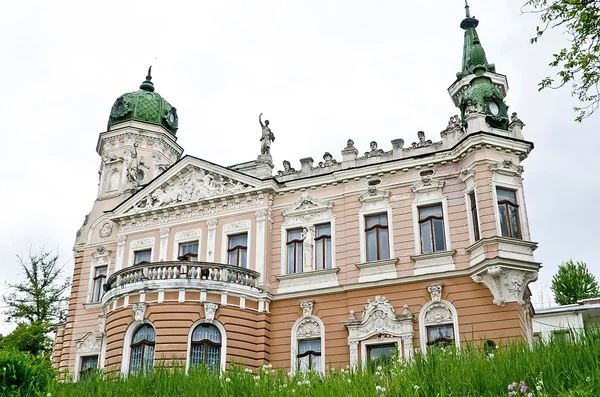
{"x": 195, "y": 272}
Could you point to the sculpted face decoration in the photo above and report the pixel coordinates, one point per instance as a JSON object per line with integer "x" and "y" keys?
{"x": 106, "y": 229}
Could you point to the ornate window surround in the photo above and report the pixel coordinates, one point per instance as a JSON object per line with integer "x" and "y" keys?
{"x": 428, "y": 191}
{"x": 307, "y": 211}
{"x": 307, "y": 318}
{"x": 437, "y": 303}
{"x": 101, "y": 258}
{"x": 126, "y": 355}
{"x": 87, "y": 345}
{"x": 186, "y": 236}
{"x": 379, "y": 318}
{"x": 140, "y": 244}
{"x": 232, "y": 228}
{"x": 223, "y": 354}
{"x": 468, "y": 177}
{"x": 507, "y": 175}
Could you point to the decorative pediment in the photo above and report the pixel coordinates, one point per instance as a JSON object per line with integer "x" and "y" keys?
{"x": 307, "y": 209}
{"x": 379, "y": 318}
{"x": 505, "y": 283}
{"x": 89, "y": 343}
{"x": 507, "y": 167}
{"x": 427, "y": 184}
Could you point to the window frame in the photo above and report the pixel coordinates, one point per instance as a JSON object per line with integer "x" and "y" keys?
{"x": 365, "y": 345}
{"x": 237, "y": 248}
{"x": 95, "y": 278}
{"x": 186, "y": 236}
{"x": 223, "y": 352}
{"x": 421, "y": 201}
{"x": 471, "y": 204}
{"x": 507, "y": 204}
{"x": 430, "y": 219}
{"x": 323, "y": 254}
{"x": 380, "y": 206}
{"x": 188, "y": 257}
{"x": 377, "y": 227}
{"x": 295, "y": 242}
{"x": 423, "y": 324}
{"x": 80, "y": 365}
{"x": 445, "y": 342}
{"x": 235, "y": 228}
{"x": 294, "y": 348}
{"x": 140, "y": 244}
{"x": 135, "y": 252}
{"x": 313, "y": 355}
{"x": 206, "y": 343}
{"x": 143, "y": 343}
{"x": 510, "y": 180}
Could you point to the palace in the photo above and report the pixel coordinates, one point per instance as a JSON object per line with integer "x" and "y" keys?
{"x": 340, "y": 262}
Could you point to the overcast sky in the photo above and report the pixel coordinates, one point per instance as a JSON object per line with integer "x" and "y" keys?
{"x": 321, "y": 71}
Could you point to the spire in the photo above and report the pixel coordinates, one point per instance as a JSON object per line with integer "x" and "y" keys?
{"x": 473, "y": 53}
{"x": 148, "y": 85}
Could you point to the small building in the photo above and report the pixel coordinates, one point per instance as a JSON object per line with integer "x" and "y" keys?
{"x": 363, "y": 255}
{"x": 566, "y": 321}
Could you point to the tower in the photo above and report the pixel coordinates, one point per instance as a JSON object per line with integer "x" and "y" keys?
{"x": 140, "y": 141}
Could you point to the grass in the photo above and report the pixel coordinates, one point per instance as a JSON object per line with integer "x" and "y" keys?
{"x": 559, "y": 368}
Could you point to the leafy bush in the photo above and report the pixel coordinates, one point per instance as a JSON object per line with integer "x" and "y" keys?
{"x": 22, "y": 374}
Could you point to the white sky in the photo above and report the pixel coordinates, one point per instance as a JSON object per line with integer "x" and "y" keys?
{"x": 322, "y": 71}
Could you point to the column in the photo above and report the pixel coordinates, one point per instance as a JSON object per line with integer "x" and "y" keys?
{"x": 261, "y": 219}
{"x": 164, "y": 240}
{"x": 120, "y": 252}
{"x": 212, "y": 239}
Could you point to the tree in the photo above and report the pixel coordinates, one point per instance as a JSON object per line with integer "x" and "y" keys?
{"x": 29, "y": 338}
{"x": 580, "y": 61}
{"x": 573, "y": 282}
{"x": 40, "y": 298}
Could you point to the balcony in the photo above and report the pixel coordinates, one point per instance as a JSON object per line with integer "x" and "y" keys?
{"x": 181, "y": 275}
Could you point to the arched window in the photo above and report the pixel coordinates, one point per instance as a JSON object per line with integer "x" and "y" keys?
{"x": 308, "y": 341}
{"x": 205, "y": 346}
{"x": 142, "y": 349}
{"x": 438, "y": 323}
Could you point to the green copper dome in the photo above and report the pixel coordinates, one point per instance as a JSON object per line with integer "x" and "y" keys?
{"x": 145, "y": 106}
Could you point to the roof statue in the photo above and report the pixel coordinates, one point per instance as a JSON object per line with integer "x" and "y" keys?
{"x": 266, "y": 138}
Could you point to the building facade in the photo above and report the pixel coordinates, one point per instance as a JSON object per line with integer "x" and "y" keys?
{"x": 340, "y": 262}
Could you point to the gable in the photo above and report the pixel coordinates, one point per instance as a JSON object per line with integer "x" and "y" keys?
{"x": 191, "y": 180}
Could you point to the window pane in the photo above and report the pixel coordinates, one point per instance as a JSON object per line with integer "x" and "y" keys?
{"x": 233, "y": 257}
{"x": 243, "y": 259}
{"x": 328, "y": 264}
{"x": 145, "y": 332}
{"x": 319, "y": 254}
{"x": 309, "y": 345}
{"x": 188, "y": 248}
{"x": 89, "y": 362}
{"x": 238, "y": 239}
{"x": 434, "y": 210}
{"x": 295, "y": 234}
{"x": 214, "y": 357}
{"x": 443, "y": 334}
{"x": 438, "y": 233}
{"x": 323, "y": 230}
{"x": 298, "y": 257}
{"x": 426, "y": 243}
{"x": 372, "y": 220}
{"x": 514, "y": 221}
{"x": 142, "y": 256}
{"x": 304, "y": 364}
{"x": 382, "y": 353}
{"x": 136, "y": 359}
{"x": 148, "y": 357}
{"x": 197, "y": 354}
{"x": 290, "y": 258}
{"x": 505, "y": 194}
{"x": 206, "y": 332}
{"x": 503, "y": 220}
{"x": 100, "y": 271}
{"x": 372, "y": 245}
{"x": 474, "y": 216}
{"x": 384, "y": 244}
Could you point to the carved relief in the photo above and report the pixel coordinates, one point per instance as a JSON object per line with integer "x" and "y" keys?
{"x": 307, "y": 308}
{"x": 307, "y": 209}
{"x": 142, "y": 242}
{"x": 438, "y": 313}
{"x": 102, "y": 324}
{"x": 164, "y": 232}
{"x": 139, "y": 309}
{"x": 106, "y": 229}
{"x": 88, "y": 344}
{"x": 209, "y": 311}
{"x": 467, "y": 176}
{"x": 190, "y": 214}
{"x": 507, "y": 167}
{"x": 191, "y": 184}
{"x": 436, "y": 292}
{"x": 238, "y": 225}
{"x": 188, "y": 234}
{"x": 308, "y": 328}
{"x": 506, "y": 284}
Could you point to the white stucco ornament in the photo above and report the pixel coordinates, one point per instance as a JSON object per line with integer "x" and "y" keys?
{"x": 139, "y": 309}
{"x": 507, "y": 284}
{"x": 436, "y": 292}
{"x": 88, "y": 344}
{"x": 307, "y": 308}
{"x": 209, "y": 311}
{"x": 106, "y": 229}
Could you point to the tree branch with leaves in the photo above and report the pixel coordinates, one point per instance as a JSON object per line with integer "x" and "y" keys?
{"x": 573, "y": 282}
{"x": 579, "y": 62}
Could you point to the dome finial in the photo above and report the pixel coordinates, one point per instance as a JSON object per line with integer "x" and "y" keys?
{"x": 148, "y": 85}
{"x": 467, "y": 12}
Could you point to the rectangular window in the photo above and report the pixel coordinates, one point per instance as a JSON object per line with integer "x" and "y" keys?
{"x": 381, "y": 354}
{"x": 294, "y": 251}
{"x": 237, "y": 250}
{"x": 88, "y": 365}
{"x": 508, "y": 209}
{"x": 309, "y": 355}
{"x": 440, "y": 335}
{"x": 98, "y": 283}
{"x": 323, "y": 247}
{"x": 144, "y": 256}
{"x": 378, "y": 242}
{"x": 474, "y": 217}
{"x": 431, "y": 223}
{"x": 188, "y": 251}
{"x": 562, "y": 335}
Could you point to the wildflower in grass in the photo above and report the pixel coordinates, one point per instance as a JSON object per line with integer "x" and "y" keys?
{"x": 293, "y": 390}
{"x": 306, "y": 382}
{"x": 379, "y": 368}
{"x": 522, "y": 387}
{"x": 257, "y": 377}
{"x": 284, "y": 385}
{"x": 417, "y": 387}
{"x": 256, "y": 384}
{"x": 227, "y": 380}
{"x": 349, "y": 380}
{"x": 377, "y": 373}
{"x": 588, "y": 379}
{"x": 248, "y": 370}
{"x": 299, "y": 383}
